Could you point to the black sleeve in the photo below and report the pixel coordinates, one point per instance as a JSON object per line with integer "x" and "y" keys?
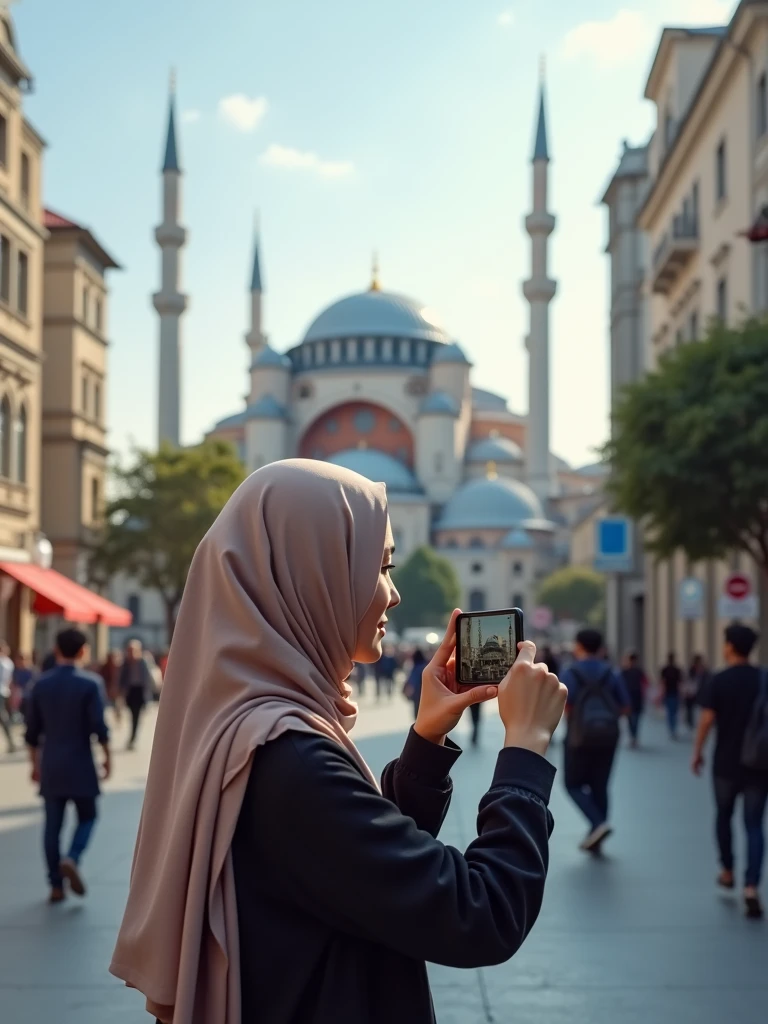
{"x": 346, "y": 855}
{"x": 419, "y": 783}
{"x": 34, "y": 721}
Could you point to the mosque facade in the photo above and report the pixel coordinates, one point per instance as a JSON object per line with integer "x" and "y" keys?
{"x": 379, "y": 385}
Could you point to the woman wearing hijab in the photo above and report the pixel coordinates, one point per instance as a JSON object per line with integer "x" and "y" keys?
{"x": 273, "y": 881}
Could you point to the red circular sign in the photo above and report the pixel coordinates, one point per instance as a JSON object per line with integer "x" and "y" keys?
{"x": 738, "y": 587}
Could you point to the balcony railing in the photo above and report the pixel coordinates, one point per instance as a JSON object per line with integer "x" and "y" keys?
{"x": 674, "y": 252}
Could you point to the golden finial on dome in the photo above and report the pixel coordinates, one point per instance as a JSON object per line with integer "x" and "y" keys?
{"x": 375, "y": 281}
{"x": 490, "y": 471}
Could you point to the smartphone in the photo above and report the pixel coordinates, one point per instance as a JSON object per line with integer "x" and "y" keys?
{"x": 486, "y": 645}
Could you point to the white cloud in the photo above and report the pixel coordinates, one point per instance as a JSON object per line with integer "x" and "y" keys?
{"x": 707, "y": 12}
{"x": 242, "y": 112}
{"x": 626, "y": 35}
{"x": 190, "y": 116}
{"x": 297, "y": 159}
{"x": 506, "y": 19}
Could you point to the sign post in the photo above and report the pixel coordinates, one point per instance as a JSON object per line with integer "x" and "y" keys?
{"x": 613, "y": 544}
{"x": 691, "y": 599}
{"x": 738, "y": 600}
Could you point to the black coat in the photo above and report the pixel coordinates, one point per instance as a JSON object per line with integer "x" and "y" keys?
{"x": 343, "y": 893}
{"x": 64, "y": 710}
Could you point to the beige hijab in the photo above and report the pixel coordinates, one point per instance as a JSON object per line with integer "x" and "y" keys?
{"x": 263, "y": 644}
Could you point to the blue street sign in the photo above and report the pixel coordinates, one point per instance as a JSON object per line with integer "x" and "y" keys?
{"x": 613, "y": 544}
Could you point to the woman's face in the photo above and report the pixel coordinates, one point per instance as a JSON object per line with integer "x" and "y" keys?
{"x": 372, "y": 630}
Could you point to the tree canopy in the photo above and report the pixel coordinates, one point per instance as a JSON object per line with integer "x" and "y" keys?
{"x": 429, "y": 589}
{"x": 164, "y": 504}
{"x": 689, "y": 453}
{"x": 574, "y": 593}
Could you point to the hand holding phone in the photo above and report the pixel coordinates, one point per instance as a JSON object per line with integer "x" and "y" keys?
{"x": 486, "y": 645}
{"x": 531, "y": 702}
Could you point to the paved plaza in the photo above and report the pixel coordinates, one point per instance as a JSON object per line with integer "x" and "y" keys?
{"x": 639, "y": 936}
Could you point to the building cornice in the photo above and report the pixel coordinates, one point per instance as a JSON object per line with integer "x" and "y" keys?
{"x": 20, "y": 349}
{"x": 72, "y": 321}
{"x": 24, "y": 217}
{"x": 724, "y": 60}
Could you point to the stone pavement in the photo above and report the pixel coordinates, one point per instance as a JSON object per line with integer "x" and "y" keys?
{"x": 639, "y": 936}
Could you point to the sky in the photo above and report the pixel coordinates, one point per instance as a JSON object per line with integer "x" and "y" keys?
{"x": 403, "y": 127}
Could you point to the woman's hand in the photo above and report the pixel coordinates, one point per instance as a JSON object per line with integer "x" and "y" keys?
{"x": 442, "y": 702}
{"x": 531, "y": 701}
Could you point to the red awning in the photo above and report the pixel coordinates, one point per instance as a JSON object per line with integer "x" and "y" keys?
{"x": 56, "y": 594}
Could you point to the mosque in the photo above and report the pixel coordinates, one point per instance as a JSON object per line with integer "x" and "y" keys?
{"x": 379, "y": 385}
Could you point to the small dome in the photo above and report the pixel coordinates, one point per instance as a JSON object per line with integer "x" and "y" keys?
{"x": 490, "y": 504}
{"x": 452, "y": 353}
{"x": 266, "y": 408}
{"x": 517, "y": 539}
{"x": 494, "y": 449}
{"x": 268, "y": 357}
{"x": 376, "y": 314}
{"x": 378, "y": 467}
{"x": 440, "y": 402}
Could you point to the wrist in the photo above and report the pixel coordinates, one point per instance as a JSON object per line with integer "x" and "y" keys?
{"x": 537, "y": 742}
{"x": 429, "y": 735}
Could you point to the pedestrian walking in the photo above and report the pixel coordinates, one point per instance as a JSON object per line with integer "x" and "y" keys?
{"x": 671, "y": 678}
{"x": 24, "y": 676}
{"x": 693, "y": 687}
{"x": 597, "y": 699}
{"x": 735, "y": 704}
{"x": 136, "y": 685}
{"x": 273, "y": 879}
{"x": 6, "y": 681}
{"x": 110, "y": 674}
{"x": 412, "y": 687}
{"x": 476, "y": 717}
{"x": 636, "y": 685}
{"x": 384, "y": 672}
{"x": 64, "y": 711}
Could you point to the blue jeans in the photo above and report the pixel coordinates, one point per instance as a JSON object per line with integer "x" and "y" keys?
{"x": 755, "y": 799}
{"x": 634, "y": 724}
{"x": 672, "y": 704}
{"x": 587, "y": 774}
{"x": 55, "y": 808}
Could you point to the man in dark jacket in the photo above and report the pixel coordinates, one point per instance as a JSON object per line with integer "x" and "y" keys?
{"x": 65, "y": 709}
{"x": 597, "y": 698}
{"x": 136, "y": 685}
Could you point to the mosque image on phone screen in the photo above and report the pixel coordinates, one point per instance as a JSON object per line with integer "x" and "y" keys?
{"x": 488, "y": 648}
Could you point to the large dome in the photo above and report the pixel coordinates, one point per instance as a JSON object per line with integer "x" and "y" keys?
{"x": 379, "y": 467}
{"x": 377, "y": 314}
{"x": 490, "y": 504}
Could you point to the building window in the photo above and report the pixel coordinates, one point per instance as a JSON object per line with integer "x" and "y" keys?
{"x": 517, "y": 569}
{"x": 405, "y": 351}
{"x": 693, "y": 326}
{"x": 336, "y": 351}
{"x": 134, "y": 607}
{"x": 477, "y": 568}
{"x": 762, "y": 106}
{"x": 85, "y": 305}
{"x": 25, "y": 178}
{"x": 97, "y": 314}
{"x": 518, "y": 601}
{"x": 22, "y": 283}
{"x": 5, "y": 268}
{"x": 352, "y": 350}
{"x": 364, "y": 421}
{"x": 3, "y": 141}
{"x": 722, "y": 300}
{"x": 97, "y": 401}
{"x": 477, "y": 542}
{"x": 721, "y": 183}
{"x": 95, "y": 500}
{"x": 21, "y": 446}
{"x": 369, "y": 350}
{"x": 477, "y": 600}
{"x": 5, "y": 437}
{"x": 387, "y": 348}
{"x": 84, "y": 395}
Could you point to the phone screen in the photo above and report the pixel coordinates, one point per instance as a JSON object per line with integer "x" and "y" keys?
{"x": 486, "y": 645}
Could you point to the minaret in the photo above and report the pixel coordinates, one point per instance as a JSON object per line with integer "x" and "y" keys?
{"x": 255, "y": 338}
{"x": 170, "y": 302}
{"x": 539, "y": 290}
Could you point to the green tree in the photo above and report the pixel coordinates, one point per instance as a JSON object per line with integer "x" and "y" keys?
{"x": 689, "y": 453}
{"x": 164, "y": 504}
{"x": 574, "y": 593}
{"x": 429, "y": 590}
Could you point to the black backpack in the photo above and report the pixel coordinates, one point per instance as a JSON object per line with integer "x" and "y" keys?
{"x": 754, "y": 751}
{"x": 594, "y": 718}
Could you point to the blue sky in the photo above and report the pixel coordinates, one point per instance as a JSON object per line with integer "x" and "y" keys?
{"x": 403, "y": 126}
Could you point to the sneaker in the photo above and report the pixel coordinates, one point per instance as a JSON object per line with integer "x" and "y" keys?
{"x": 57, "y": 896}
{"x": 70, "y": 871}
{"x": 596, "y": 837}
{"x": 726, "y": 881}
{"x": 753, "y": 908}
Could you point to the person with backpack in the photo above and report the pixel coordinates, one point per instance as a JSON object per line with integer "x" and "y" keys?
{"x": 597, "y": 699}
{"x": 735, "y": 703}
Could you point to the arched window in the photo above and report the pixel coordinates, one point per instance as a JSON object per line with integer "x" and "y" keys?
{"x": 21, "y": 445}
{"x": 477, "y": 600}
{"x": 477, "y": 542}
{"x": 5, "y": 437}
